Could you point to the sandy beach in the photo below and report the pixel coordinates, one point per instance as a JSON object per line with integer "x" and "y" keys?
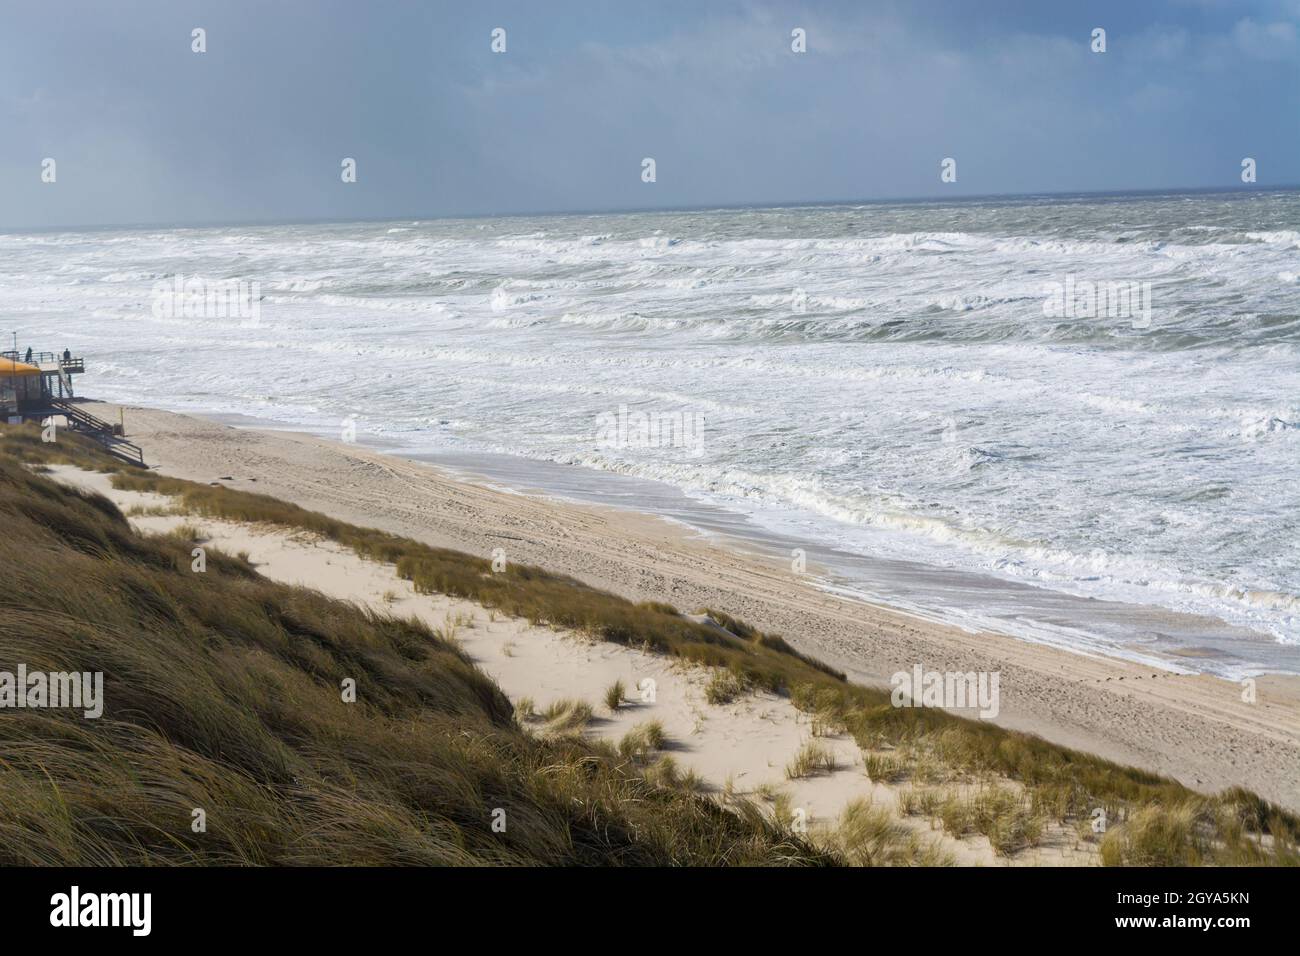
{"x": 1196, "y": 729}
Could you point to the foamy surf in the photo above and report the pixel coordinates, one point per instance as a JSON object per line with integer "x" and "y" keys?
{"x": 878, "y": 381}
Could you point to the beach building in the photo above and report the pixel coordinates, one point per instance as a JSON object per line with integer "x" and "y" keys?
{"x": 30, "y": 382}
{"x": 37, "y": 386}
{"x": 20, "y": 386}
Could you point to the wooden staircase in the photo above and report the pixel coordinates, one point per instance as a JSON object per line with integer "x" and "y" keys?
{"x": 106, "y": 433}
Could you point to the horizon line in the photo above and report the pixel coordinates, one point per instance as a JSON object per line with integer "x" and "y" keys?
{"x": 650, "y": 210}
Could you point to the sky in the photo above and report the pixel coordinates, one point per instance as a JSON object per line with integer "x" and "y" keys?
{"x": 143, "y": 130}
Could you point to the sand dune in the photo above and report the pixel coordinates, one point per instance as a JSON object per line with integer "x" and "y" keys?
{"x": 741, "y": 747}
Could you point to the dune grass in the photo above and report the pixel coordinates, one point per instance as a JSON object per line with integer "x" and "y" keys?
{"x": 614, "y": 696}
{"x": 725, "y": 686}
{"x": 924, "y": 744}
{"x": 883, "y": 768}
{"x": 223, "y": 692}
{"x": 1008, "y": 819}
{"x": 567, "y": 716}
{"x": 812, "y": 758}
{"x": 642, "y": 740}
{"x": 868, "y": 835}
{"x": 665, "y": 772}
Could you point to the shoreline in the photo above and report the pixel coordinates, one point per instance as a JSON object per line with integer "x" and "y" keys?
{"x": 1144, "y": 633}
{"x": 1194, "y": 728}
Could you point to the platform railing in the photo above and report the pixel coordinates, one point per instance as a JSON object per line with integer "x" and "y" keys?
{"x": 47, "y": 360}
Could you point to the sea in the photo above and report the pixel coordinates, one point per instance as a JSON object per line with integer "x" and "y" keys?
{"x": 1071, "y": 419}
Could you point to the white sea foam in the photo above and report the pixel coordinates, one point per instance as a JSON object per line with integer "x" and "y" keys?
{"x": 877, "y": 378}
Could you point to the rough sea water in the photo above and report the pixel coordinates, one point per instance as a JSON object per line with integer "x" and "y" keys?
{"x": 878, "y": 385}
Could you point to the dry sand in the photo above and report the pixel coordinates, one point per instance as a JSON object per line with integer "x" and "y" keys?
{"x": 1197, "y": 729}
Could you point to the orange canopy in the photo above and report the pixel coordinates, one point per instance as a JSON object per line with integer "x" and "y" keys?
{"x": 8, "y": 367}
